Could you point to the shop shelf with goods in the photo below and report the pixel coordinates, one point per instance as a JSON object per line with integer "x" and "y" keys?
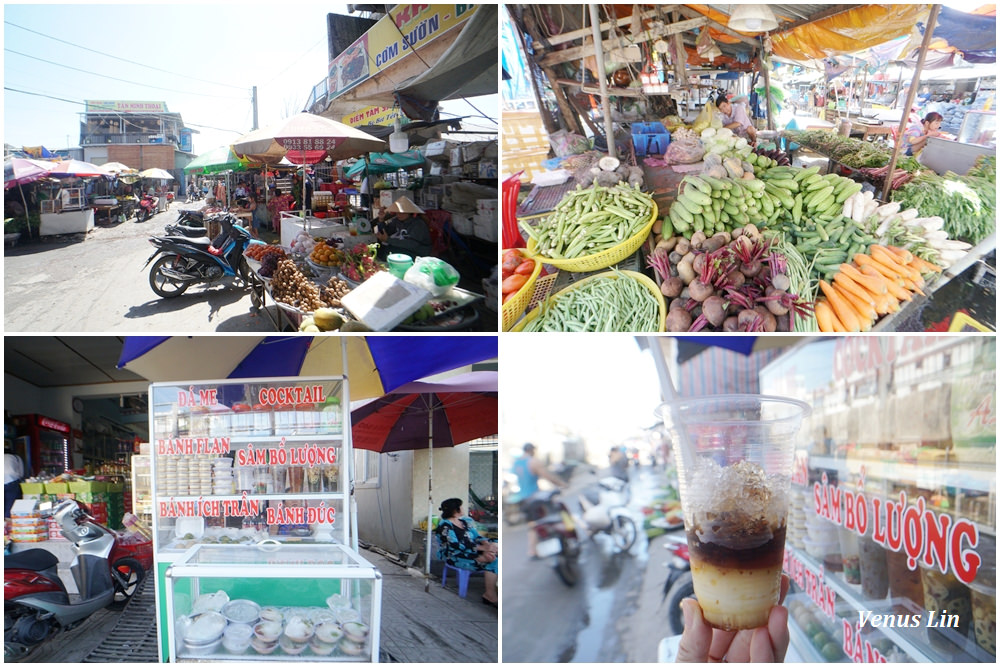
{"x": 893, "y": 512}
{"x": 247, "y": 464}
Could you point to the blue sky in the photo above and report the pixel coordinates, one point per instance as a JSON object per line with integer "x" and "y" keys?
{"x": 201, "y": 59}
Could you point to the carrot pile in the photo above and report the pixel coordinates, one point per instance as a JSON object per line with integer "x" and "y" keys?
{"x": 872, "y": 286}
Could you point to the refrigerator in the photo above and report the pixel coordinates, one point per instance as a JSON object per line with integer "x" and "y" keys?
{"x": 47, "y": 448}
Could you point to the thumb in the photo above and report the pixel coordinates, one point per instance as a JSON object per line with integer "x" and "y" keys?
{"x": 697, "y": 637}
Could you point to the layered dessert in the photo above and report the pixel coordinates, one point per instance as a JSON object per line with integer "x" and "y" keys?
{"x": 736, "y": 522}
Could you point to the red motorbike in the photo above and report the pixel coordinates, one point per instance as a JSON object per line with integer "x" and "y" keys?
{"x": 146, "y": 208}
{"x": 108, "y": 568}
{"x": 556, "y": 531}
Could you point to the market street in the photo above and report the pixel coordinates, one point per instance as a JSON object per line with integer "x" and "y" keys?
{"x": 99, "y": 284}
{"x": 609, "y": 616}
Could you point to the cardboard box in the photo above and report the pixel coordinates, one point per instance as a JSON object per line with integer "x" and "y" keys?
{"x": 456, "y": 157}
{"x": 487, "y": 169}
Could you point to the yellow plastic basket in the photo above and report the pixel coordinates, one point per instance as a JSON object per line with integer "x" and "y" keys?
{"x": 644, "y": 280}
{"x": 516, "y": 305}
{"x": 601, "y": 260}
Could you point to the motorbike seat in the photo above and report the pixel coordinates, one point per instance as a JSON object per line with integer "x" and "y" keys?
{"x": 32, "y": 559}
{"x": 199, "y": 215}
{"x": 187, "y": 230}
{"x": 202, "y": 242}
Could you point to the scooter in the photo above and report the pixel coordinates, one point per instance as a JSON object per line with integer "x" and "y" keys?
{"x": 605, "y": 510}
{"x": 556, "y": 530}
{"x": 107, "y": 570}
{"x": 189, "y": 223}
{"x": 679, "y": 583}
{"x": 183, "y": 261}
{"x": 146, "y": 208}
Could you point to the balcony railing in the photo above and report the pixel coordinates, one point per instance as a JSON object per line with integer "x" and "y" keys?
{"x": 151, "y": 138}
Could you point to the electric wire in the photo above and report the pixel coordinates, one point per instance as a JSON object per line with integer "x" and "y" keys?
{"x": 114, "y": 78}
{"x": 131, "y": 62}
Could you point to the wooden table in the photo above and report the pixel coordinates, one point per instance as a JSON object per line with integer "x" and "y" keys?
{"x": 110, "y": 211}
{"x": 871, "y": 130}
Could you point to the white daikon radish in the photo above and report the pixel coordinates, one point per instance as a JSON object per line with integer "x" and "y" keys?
{"x": 888, "y": 209}
{"x": 909, "y": 214}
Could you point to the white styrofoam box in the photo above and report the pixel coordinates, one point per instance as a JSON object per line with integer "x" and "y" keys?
{"x": 487, "y": 169}
{"x": 484, "y": 218}
{"x": 473, "y": 151}
{"x": 487, "y": 205}
{"x": 456, "y": 157}
{"x": 461, "y": 224}
{"x": 383, "y": 301}
{"x": 437, "y": 169}
{"x": 491, "y": 152}
{"x": 385, "y": 198}
{"x": 439, "y": 150}
{"x": 486, "y": 231}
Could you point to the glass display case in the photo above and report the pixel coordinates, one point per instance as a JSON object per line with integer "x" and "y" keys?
{"x": 273, "y": 601}
{"x": 244, "y": 464}
{"x": 891, "y": 541}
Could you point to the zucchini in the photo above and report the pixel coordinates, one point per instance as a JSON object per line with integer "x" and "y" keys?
{"x": 698, "y": 183}
{"x": 697, "y": 196}
{"x": 681, "y": 211}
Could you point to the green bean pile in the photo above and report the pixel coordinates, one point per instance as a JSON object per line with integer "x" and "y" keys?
{"x": 590, "y": 220}
{"x": 606, "y": 303}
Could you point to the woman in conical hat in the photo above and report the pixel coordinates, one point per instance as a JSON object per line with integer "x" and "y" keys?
{"x": 402, "y": 231}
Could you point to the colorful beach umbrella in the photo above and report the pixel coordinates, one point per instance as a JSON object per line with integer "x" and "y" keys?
{"x": 76, "y": 169}
{"x": 156, "y": 172}
{"x": 429, "y": 415}
{"x": 21, "y": 171}
{"x": 376, "y": 364}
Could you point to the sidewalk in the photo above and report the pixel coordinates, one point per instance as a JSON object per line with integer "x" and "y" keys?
{"x": 417, "y": 626}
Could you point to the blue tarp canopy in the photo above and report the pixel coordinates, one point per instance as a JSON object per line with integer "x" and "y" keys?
{"x": 384, "y": 163}
{"x": 974, "y": 35}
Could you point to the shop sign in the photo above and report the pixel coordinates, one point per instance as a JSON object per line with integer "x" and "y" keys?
{"x": 856, "y": 646}
{"x": 374, "y": 116}
{"x": 933, "y": 539}
{"x": 45, "y": 422}
{"x": 392, "y": 38}
{"x": 856, "y": 356}
{"x": 125, "y": 106}
{"x": 812, "y": 582}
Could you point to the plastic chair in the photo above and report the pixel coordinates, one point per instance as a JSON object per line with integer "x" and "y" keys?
{"x": 463, "y": 575}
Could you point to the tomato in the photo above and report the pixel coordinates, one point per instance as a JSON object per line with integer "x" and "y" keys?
{"x": 508, "y": 295}
{"x": 511, "y": 260}
{"x": 526, "y": 267}
{"x": 514, "y": 283}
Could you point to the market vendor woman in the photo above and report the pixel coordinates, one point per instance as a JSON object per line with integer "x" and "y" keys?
{"x": 734, "y": 116}
{"x": 398, "y": 229}
{"x": 916, "y": 135}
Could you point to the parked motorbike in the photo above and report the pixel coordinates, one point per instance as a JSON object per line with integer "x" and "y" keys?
{"x": 679, "y": 584}
{"x": 605, "y": 510}
{"x": 194, "y": 194}
{"x": 189, "y": 223}
{"x": 556, "y": 530}
{"x": 107, "y": 568}
{"x": 182, "y": 261}
{"x": 146, "y": 208}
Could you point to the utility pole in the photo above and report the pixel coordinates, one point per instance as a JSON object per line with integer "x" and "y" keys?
{"x": 253, "y": 100}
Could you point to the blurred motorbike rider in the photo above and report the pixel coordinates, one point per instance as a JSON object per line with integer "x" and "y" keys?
{"x": 528, "y": 470}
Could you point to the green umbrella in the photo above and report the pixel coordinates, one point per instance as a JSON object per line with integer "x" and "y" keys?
{"x": 384, "y": 163}
{"x": 214, "y": 161}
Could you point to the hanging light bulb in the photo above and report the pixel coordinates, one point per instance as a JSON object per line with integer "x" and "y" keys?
{"x": 752, "y": 18}
{"x": 399, "y": 142}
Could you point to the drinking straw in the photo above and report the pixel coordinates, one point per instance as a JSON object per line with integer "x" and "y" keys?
{"x": 668, "y": 392}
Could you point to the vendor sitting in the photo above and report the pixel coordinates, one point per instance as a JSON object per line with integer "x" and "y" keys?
{"x": 735, "y": 117}
{"x": 399, "y": 230}
{"x": 916, "y": 135}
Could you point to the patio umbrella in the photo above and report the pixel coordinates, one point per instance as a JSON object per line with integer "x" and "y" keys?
{"x": 376, "y": 364}
{"x": 156, "y": 172}
{"x": 215, "y": 160}
{"x": 425, "y": 415}
{"x": 116, "y": 168}
{"x": 76, "y": 169}
{"x": 305, "y": 138}
{"x": 21, "y": 171}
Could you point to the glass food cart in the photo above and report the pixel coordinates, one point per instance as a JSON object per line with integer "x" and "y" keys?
{"x": 891, "y": 542}
{"x": 251, "y": 483}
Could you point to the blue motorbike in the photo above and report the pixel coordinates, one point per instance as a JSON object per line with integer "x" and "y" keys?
{"x": 182, "y": 261}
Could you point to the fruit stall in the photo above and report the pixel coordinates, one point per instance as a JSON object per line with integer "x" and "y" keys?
{"x": 337, "y": 284}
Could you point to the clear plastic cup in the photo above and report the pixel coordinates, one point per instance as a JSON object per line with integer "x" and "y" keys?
{"x": 734, "y": 462}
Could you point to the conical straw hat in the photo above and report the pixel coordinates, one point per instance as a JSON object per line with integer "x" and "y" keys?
{"x": 405, "y": 205}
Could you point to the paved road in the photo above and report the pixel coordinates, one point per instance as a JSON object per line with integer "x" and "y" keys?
{"x": 612, "y": 615}
{"x": 97, "y": 283}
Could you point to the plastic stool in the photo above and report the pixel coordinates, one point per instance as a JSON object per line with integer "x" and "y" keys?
{"x": 463, "y": 578}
